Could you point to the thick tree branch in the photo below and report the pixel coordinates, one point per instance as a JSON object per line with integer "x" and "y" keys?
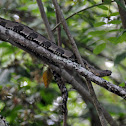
{"x": 30, "y": 47}
{"x": 51, "y": 58}
{"x": 83, "y": 92}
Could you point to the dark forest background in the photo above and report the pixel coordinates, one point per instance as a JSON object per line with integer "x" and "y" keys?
{"x": 100, "y": 37}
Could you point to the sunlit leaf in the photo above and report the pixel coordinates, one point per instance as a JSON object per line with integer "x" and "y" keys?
{"x": 122, "y": 84}
{"x": 102, "y": 15}
{"x": 103, "y": 7}
{"x": 99, "y": 24}
{"x": 114, "y": 14}
{"x": 114, "y": 22}
{"x": 99, "y": 48}
{"x": 122, "y": 38}
{"x": 113, "y": 40}
{"x": 97, "y": 32}
{"x": 119, "y": 39}
{"x": 3, "y": 44}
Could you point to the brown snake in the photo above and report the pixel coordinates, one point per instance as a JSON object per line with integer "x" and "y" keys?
{"x": 36, "y": 37}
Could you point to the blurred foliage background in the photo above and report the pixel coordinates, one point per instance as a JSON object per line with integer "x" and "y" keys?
{"x": 24, "y": 101}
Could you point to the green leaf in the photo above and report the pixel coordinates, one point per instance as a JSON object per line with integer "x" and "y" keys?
{"x": 99, "y": 24}
{"x": 119, "y": 58}
{"x": 4, "y": 44}
{"x": 107, "y": 1}
{"x": 113, "y": 40}
{"x": 114, "y": 14}
{"x": 9, "y": 51}
{"x": 114, "y": 22}
{"x": 119, "y": 39}
{"x": 116, "y": 30}
{"x": 23, "y": 8}
{"x": 103, "y": 7}
{"x": 99, "y": 48}
{"x": 122, "y": 84}
{"x": 122, "y": 38}
{"x": 96, "y": 33}
{"x": 102, "y": 15}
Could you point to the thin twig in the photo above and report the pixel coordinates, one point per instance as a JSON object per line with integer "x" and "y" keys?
{"x": 96, "y": 103}
{"x": 50, "y": 35}
{"x": 65, "y": 96}
{"x": 45, "y": 20}
{"x": 122, "y": 12}
{"x": 58, "y": 31}
{"x": 83, "y": 92}
{"x": 75, "y": 49}
{"x": 76, "y": 14}
{"x": 65, "y": 119}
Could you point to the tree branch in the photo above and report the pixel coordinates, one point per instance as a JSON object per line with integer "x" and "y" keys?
{"x": 122, "y": 12}
{"x": 57, "y": 25}
{"x": 45, "y": 20}
{"x": 58, "y": 78}
{"x": 51, "y": 58}
{"x": 75, "y": 49}
{"x": 96, "y": 103}
{"x": 44, "y": 55}
{"x": 83, "y": 92}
